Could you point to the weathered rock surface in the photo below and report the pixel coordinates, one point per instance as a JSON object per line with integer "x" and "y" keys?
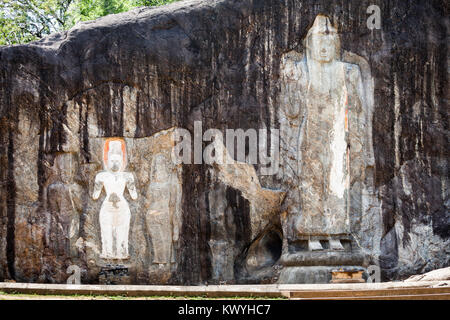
{"x": 435, "y": 275}
{"x": 140, "y": 74}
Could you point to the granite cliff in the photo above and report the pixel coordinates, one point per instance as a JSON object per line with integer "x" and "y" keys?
{"x": 141, "y": 74}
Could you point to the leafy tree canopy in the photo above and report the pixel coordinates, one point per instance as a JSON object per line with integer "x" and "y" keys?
{"x": 22, "y": 21}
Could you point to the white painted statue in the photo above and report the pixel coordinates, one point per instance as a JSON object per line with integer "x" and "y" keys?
{"x": 115, "y": 213}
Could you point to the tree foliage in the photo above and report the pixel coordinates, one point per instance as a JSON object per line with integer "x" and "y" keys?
{"x": 22, "y": 21}
{"x": 26, "y": 20}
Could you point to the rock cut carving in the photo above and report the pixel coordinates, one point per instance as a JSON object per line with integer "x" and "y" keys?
{"x": 163, "y": 209}
{"x": 63, "y": 205}
{"x": 115, "y": 213}
{"x": 323, "y": 115}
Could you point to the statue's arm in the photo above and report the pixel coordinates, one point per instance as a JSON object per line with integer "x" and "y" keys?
{"x": 54, "y": 194}
{"x": 74, "y": 192}
{"x": 358, "y": 87}
{"x": 76, "y": 198}
{"x": 98, "y": 186}
{"x": 131, "y": 186}
{"x": 176, "y": 220}
{"x": 292, "y": 82}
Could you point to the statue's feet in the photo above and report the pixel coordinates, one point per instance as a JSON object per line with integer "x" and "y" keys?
{"x": 314, "y": 245}
{"x": 122, "y": 257}
{"x": 114, "y": 257}
{"x": 335, "y": 244}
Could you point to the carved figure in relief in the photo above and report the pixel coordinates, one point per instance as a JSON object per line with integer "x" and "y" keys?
{"x": 115, "y": 213}
{"x": 320, "y": 118}
{"x": 162, "y": 217}
{"x": 64, "y": 205}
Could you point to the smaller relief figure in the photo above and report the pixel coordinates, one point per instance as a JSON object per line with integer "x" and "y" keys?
{"x": 63, "y": 205}
{"x": 162, "y": 218}
{"x": 115, "y": 213}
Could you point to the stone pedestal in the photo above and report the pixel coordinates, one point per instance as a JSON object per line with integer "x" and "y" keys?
{"x": 312, "y": 275}
{"x": 305, "y": 265}
{"x": 114, "y": 274}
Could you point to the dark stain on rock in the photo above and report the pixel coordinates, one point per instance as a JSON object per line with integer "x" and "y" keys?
{"x": 11, "y": 209}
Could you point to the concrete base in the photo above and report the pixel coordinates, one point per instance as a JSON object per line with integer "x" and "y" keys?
{"x": 270, "y": 290}
{"x": 316, "y": 274}
{"x": 386, "y": 290}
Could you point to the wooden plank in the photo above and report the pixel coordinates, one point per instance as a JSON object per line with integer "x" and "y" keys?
{"x": 368, "y": 293}
{"x": 439, "y": 296}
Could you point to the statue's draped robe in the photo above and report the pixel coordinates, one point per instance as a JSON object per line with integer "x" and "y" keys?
{"x": 159, "y": 220}
{"x": 322, "y": 129}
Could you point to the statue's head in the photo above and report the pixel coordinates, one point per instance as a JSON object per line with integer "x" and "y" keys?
{"x": 160, "y": 171}
{"x": 115, "y": 162}
{"x": 322, "y": 41}
{"x": 114, "y": 154}
{"x": 65, "y": 167}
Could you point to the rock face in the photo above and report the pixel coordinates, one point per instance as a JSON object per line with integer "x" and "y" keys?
{"x": 141, "y": 75}
{"x": 435, "y": 275}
